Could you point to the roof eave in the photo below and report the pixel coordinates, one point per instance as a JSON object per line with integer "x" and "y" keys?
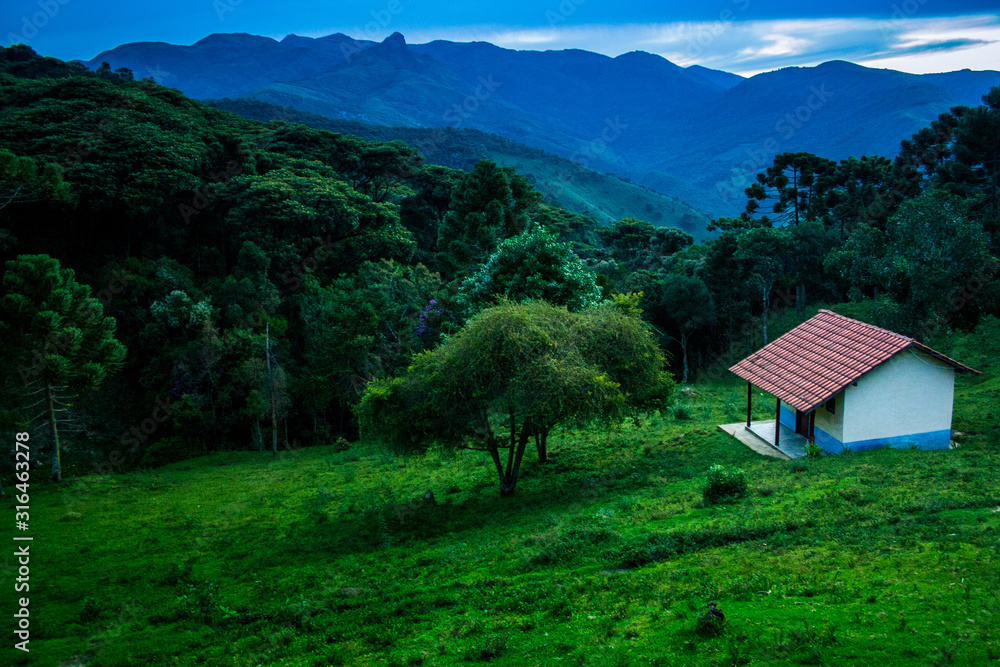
{"x": 958, "y": 366}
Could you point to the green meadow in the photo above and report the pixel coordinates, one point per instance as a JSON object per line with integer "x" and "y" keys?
{"x": 281, "y": 283}
{"x": 604, "y": 556}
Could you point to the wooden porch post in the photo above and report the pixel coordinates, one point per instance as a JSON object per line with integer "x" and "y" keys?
{"x": 812, "y": 426}
{"x": 777, "y": 421}
{"x": 749, "y": 401}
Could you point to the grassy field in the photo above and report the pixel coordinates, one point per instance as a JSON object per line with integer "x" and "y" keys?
{"x": 605, "y": 556}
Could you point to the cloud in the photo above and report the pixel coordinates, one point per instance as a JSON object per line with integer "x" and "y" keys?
{"x": 780, "y": 45}
{"x": 750, "y": 47}
{"x": 943, "y": 45}
{"x": 528, "y": 37}
{"x": 921, "y": 46}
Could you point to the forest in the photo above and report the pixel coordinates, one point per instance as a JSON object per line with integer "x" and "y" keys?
{"x": 180, "y": 280}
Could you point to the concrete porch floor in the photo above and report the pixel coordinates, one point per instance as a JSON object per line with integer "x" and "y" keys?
{"x": 760, "y": 438}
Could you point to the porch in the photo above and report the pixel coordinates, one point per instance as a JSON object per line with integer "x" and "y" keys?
{"x": 760, "y": 438}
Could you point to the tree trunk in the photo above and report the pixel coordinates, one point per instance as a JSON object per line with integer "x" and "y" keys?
{"x": 215, "y": 417}
{"x": 56, "y": 469}
{"x": 510, "y": 481}
{"x": 729, "y": 329}
{"x": 767, "y": 304}
{"x": 494, "y": 451}
{"x": 274, "y": 431}
{"x": 270, "y": 381}
{"x": 540, "y": 445}
{"x": 515, "y": 452}
{"x": 684, "y": 351}
{"x": 795, "y": 189}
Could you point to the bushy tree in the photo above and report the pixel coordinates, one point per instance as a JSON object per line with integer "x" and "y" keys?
{"x": 56, "y": 336}
{"x": 512, "y": 373}
{"x": 22, "y": 181}
{"x": 975, "y": 170}
{"x": 531, "y": 266}
{"x": 669, "y": 240}
{"x": 362, "y": 327}
{"x": 488, "y": 205}
{"x": 627, "y": 238}
{"x": 794, "y": 185}
{"x": 939, "y": 249}
{"x": 289, "y": 214}
{"x": 864, "y": 261}
{"x": 682, "y": 304}
{"x": 761, "y": 254}
{"x": 862, "y": 193}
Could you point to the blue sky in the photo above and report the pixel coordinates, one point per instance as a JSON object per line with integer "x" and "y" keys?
{"x": 743, "y": 36}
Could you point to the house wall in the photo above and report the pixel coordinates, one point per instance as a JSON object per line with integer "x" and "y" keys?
{"x": 787, "y": 415}
{"x": 829, "y": 428}
{"x": 904, "y": 402}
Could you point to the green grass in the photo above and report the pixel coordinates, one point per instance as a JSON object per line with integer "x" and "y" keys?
{"x": 605, "y": 556}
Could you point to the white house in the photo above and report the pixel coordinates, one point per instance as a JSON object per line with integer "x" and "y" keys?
{"x": 845, "y": 384}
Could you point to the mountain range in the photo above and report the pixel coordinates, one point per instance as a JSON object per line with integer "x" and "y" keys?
{"x": 691, "y": 133}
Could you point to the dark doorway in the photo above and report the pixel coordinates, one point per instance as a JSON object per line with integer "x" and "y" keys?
{"x": 802, "y": 423}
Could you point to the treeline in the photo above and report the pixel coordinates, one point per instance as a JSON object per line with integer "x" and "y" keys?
{"x": 258, "y": 275}
{"x": 261, "y": 275}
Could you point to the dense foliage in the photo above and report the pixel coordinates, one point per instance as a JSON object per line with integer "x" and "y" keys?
{"x": 264, "y": 276}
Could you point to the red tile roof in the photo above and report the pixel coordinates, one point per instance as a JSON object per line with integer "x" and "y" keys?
{"x": 815, "y": 360}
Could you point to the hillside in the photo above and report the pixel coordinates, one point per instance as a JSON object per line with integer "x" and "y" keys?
{"x": 282, "y": 367}
{"x": 603, "y": 197}
{"x": 694, "y": 134}
{"x": 604, "y": 557}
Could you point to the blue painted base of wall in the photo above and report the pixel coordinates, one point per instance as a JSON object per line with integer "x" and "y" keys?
{"x": 787, "y": 417}
{"x": 827, "y": 442}
{"x": 931, "y": 440}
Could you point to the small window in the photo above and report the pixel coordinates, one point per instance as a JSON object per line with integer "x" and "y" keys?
{"x": 831, "y": 406}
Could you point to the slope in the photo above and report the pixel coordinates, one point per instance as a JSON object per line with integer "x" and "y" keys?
{"x": 605, "y": 555}
{"x": 604, "y": 197}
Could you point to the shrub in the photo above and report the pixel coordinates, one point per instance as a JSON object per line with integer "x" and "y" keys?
{"x": 711, "y": 621}
{"x": 175, "y": 573}
{"x": 724, "y": 484}
{"x": 682, "y": 412}
{"x": 573, "y": 544}
{"x": 202, "y": 602}
{"x": 171, "y": 449}
{"x": 92, "y": 610}
{"x": 813, "y": 450}
{"x": 491, "y": 647}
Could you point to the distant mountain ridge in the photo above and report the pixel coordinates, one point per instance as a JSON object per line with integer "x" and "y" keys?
{"x": 692, "y": 133}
